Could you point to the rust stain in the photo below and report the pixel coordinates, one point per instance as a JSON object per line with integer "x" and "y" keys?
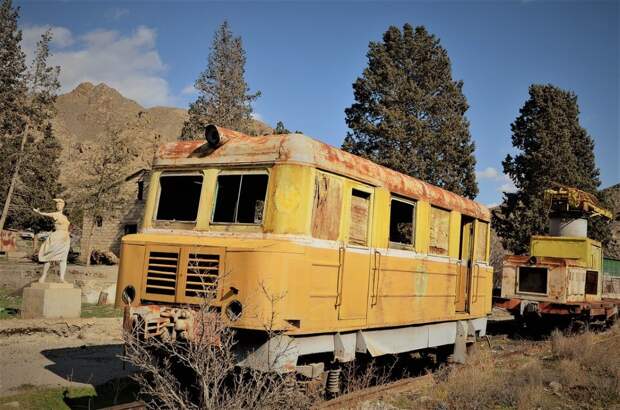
{"x": 242, "y": 148}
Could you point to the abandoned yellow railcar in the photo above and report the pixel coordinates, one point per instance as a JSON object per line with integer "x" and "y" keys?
{"x": 362, "y": 259}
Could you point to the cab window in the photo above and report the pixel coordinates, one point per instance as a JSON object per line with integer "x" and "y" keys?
{"x": 240, "y": 198}
{"x": 402, "y": 224}
{"x": 179, "y": 197}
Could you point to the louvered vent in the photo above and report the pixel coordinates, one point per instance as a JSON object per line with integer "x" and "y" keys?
{"x": 161, "y": 276}
{"x": 202, "y": 274}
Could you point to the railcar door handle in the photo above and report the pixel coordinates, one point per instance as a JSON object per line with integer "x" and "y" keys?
{"x": 341, "y": 253}
{"x": 376, "y": 276}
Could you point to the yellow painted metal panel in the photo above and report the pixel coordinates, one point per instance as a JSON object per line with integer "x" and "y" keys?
{"x": 455, "y": 234}
{"x": 151, "y": 199}
{"x": 206, "y": 199}
{"x": 422, "y": 227}
{"x": 130, "y": 272}
{"x": 289, "y": 209}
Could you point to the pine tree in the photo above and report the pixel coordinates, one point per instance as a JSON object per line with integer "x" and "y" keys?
{"x": 409, "y": 114}
{"x": 38, "y": 183}
{"x": 12, "y": 93}
{"x": 553, "y": 147}
{"x": 34, "y": 110}
{"x": 280, "y": 128}
{"x": 224, "y": 97}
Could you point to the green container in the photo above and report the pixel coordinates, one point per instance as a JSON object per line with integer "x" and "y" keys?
{"x": 611, "y": 267}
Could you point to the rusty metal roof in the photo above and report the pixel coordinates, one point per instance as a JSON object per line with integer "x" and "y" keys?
{"x": 243, "y": 150}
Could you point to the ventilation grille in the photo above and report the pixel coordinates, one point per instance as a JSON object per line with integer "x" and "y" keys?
{"x": 202, "y": 274}
{"x": 161, "y": 275}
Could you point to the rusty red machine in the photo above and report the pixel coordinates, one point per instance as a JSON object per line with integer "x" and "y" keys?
{"x": 561, "y": 280}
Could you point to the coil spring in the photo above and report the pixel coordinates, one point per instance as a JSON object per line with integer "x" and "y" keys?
{"x": 333, "y": 381}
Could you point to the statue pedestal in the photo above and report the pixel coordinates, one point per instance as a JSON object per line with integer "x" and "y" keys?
{"x": 51, "y": 301}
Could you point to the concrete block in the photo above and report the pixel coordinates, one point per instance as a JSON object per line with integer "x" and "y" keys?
{"x": 51, "y": 300}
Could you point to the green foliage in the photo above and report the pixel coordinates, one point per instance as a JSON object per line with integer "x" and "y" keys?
{"x": 409, "y": 114}
{"x": 38, "y": 183}
{"x": 30, "y": 167}
{"x": 553, "y": 147}
{"x": 12, "y": 92}
{"x": 224, "y": 97}
{"x": 280, "y": 128}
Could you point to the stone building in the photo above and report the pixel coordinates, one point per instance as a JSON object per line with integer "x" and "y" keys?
{"x": 108, "y": 232}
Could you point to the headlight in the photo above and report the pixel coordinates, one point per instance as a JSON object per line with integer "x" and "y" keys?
{"x": 128, "y": 295}
{"x": 234, "y": 310}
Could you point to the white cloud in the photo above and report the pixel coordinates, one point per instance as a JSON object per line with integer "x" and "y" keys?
{"x": 189, "y": 90}
{"x": 257, "y": 116}
{"x": 492, "y": 205}
{"x": 488, "y": 173}
{"x": 508, "y": 186}
{"x": 129, "y": 63}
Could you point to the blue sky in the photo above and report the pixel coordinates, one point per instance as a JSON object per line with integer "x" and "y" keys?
{"x": 304, "y": 56}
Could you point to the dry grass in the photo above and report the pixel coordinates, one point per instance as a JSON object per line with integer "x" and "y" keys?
{"x": 568, "y": 372}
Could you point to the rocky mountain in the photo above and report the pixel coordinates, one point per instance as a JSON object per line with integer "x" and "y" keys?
{"x": 89, "y": 113}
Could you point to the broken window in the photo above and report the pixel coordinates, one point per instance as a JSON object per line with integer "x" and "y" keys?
{"x": 591, "y": 282}
{"x": 130, "y": 228}
{"x": 481, "y": 241}
{"x": 99, "y": 221}
{"x": 532, "y": 279}
{"x": 240, "y": 198}
{"x": 402, "y": 224}
{"x": 440, "y": 228}
{"x": 327, "y": 207}
{"x": 179, "y": 197}
{"x": 360, "y": 211}
{"x": 140, "y": 195}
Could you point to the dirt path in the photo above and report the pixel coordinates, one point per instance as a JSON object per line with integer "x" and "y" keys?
{"x": 56, "y": 353}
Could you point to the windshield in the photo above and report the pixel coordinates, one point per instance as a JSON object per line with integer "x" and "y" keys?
{"x": 179, "y": 197}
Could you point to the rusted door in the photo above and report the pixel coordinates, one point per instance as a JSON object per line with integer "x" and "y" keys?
{"x": 463, "y": 281}
{"x": 355, "y": 265}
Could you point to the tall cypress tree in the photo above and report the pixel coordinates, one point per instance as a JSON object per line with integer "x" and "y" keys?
{"x": 12, "y": 93}
{"x": 34, "y": 109}
{"x": 553, "y": 147}
{"x": 38, "y": 183}
{"x": 409, "y": 114}
{"x": 224, "y": 97}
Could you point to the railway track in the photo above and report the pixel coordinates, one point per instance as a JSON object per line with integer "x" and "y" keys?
{"x": 352, "y": 400}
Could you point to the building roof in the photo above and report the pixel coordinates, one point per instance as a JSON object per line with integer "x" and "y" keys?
{"x": 244, "y": 150}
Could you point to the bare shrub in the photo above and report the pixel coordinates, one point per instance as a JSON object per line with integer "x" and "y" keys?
{"x": 571, "y": 347}
{"x": 480, "y": 384}
{"x": 362, "y": 374}
{"x": 201, "y": 372}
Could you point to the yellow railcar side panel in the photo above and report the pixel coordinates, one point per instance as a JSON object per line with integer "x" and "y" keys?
{"x": 207, "y": 198}
{"x": 422, "y": 227}
{"x": 454, "y": 236}
{"x": 131, "y": 272}
{"x": 381, "y": 214}
{"x": 289, "y": 210}
{"x": 151, "y": 199}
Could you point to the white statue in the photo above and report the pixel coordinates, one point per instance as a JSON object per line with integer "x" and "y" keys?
{"x": 56, "y": 246}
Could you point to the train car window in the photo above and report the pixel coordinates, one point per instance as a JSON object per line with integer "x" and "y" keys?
{"x": 240, "y": 198}
{"x": 360, "y": 211}
{"x": 591, "y": 282}
{"x": 179, "y": 197}
{"x": 440, "y": 229}
{"x": 532, "y": 279}
{"x": 482, "y": 241}
{"x": 327, "y": 207}
{"x": 402, "y": 224}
